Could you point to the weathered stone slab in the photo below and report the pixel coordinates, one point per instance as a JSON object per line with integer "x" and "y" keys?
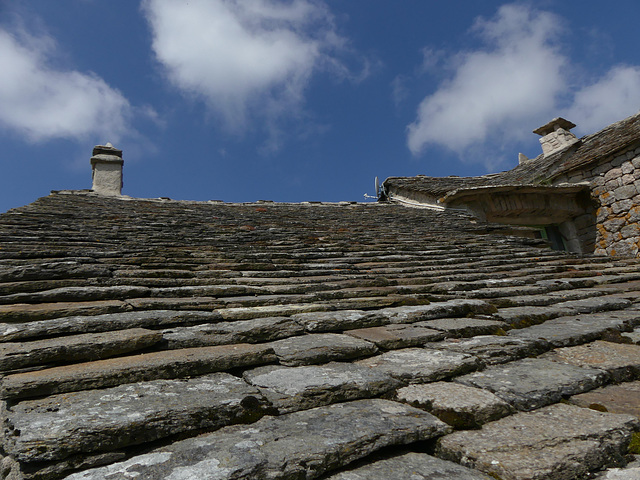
{"x": 621, "y": 361}
{"x": 622, "y": 398}
{"x": 171, "y": 303}
{"x": 11, "y": 332}
{"x": 320, "y": 348}
{"x": 410, "y": 466}
{"x": 534, "y": 382}
{"x": 136, "y": 368}
{"x": 450, "y": 308}
{"x": 465, "y": 327}
{"x": 458, "y": 405}
{"x": 553, "y": 443}
{"x": 548, "y": 298}
{"x": 226, "y": 333}
{"x": 101, "y": 420}
{"x": 303, "y": 444}
{"x": 628, "y": 473}
{"x": 596, "y": 304}
{"x": 417, "y": 365}
{"x": 75, "y": 348}
{"x": 394, "y": 336}
{"x": 25, "y": 312}
{"x": 78, "y": 294}
{"x": 246, "y": 313}
{"x": 520, "y": 317}
{"x": 494, "y": 349}
{"x": 299, "y": 388}
{"x": 574, "y": 330}
{"x": 341, "y": 320}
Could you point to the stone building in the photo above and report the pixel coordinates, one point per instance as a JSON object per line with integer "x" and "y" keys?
{"x": 583, "y": 194}
{"x": 156, "y": 339}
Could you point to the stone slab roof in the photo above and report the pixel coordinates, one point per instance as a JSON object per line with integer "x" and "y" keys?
{"x": 179, "y": 340}
{"x": 587, "y": 150}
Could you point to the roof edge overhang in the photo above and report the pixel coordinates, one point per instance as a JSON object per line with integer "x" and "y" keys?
{"x": 522, "y": 204}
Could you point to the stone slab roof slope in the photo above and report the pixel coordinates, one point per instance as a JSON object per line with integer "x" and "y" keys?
{"x": 536, "y": 171}
{"x": 178, "y": 340}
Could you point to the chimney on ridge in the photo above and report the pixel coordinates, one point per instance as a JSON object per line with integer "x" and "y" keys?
{"x": 556, "y": 135}
{"x": 106, "y": 165}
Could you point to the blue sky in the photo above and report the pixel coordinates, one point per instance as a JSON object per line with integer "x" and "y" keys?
{"x": 242, "y": 100}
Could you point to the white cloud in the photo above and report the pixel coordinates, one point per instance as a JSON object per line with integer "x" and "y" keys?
{"x": 41, "y": 102}
{"x": 243, "y": 54}
{"x": 613, "y": 97}
{"x": 494, "y": 92}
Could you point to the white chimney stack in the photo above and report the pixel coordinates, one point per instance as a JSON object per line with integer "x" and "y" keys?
{"x": 106, "y": 164}
{"x": 556, "y": 135}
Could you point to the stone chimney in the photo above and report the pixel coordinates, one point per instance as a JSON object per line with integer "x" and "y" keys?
{"x": 556, "y": 135}
{"x": 106, "y": 164}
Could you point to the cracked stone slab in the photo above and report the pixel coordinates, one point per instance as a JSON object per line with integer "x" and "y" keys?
{"x": 410, "y": 466}
{"x": 55, "y": 427}
{"x": 621, "y": 398}
{"x": 320, "y": 348}
{"x": 449, "y": 308}
{"x": 574, "y": 330}
{"x": 303, "y": 444}
{"x": 226, "y": 333}
{"x": 75, "y": 348}
{"x": 494, "y": 349}
{"x": 458, "y": 405}
{"x": 395, "y": 336}
{"x": 621, "y": 361}
{"x": 534, "y": 382}
{"x": 465, "y": 327}
{"x": 341, "y": 320}
{"x": 297, "y": 388}
{"x": 554, "y": 443}
{"x": 418, "y": 365}
{"x": 11, "y": 332}
{"x": 137, "y": 368}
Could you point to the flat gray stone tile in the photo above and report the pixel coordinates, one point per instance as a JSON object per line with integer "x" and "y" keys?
{"x": 320, "y": 348}
{"x": 520, "y": 317}
{"x": 574, "y": 330}
{"x": 418, "y": 365}
{"x": 75, "y": 348}
{"x": 465, "y": 327}
{"x": 410, "y": 466}
{"x": 458, "y": 405}
{"x": 621, "y": 361}
{"x": 596, "y": 304}
{"x": 102, "y": 420}
{"x": 534, "y": 382}
{"x": 226, "y": 333}
{"x": 298, "y": 388}
{"x": 395, "y": 336}
{"x": 11, "y": 332}
{"x": 556, "y": 442}
{"x": 135, "y": 368}
{"x": 494, "y": 349}
{"x": 337, "y": 321}
{"x": 449, "y": 308}
{"x": 303, "y": 444}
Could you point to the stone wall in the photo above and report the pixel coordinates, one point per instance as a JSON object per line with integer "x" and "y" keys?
{"x": 615, "y": 184}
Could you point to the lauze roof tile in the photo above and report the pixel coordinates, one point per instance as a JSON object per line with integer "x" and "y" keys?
{"x": 159, "y": 339}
